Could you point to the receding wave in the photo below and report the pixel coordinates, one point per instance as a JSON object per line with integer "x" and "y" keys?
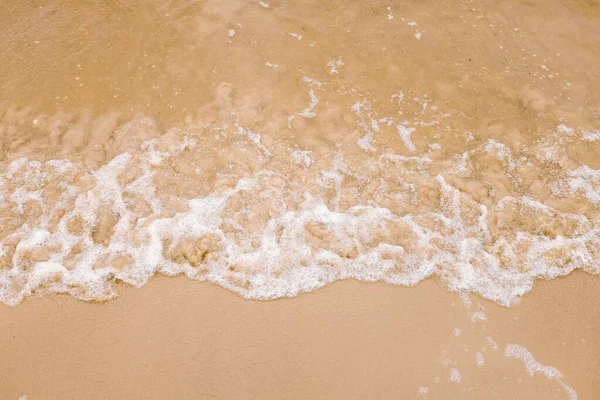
{"x": 268, "y": 215}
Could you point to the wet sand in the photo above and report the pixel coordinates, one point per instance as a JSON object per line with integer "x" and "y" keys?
{"x": 176, "y": 338}
{"x": 275, "y": 148}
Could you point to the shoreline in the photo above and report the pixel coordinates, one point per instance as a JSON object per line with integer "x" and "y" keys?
{"x": 281, "y": 150}
{"x": 177, "y": 338}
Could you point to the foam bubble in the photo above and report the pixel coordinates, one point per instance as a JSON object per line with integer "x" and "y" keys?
{"x": 583, "y": 180}
{"x": 478, "y": 316}
{"x": 455, "y": 376}
{"x": 591, "y": 136}
{"x": 480, "y": 359}
{"x": 268, "y": 220}
{"x": 406, "y": 136}
{"x": 562, "y": 128}
{"x": 533, "y": 367}
{"x": 492, "y": 343}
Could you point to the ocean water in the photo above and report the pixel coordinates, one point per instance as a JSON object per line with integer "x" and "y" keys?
{"x": 273, "y": 148}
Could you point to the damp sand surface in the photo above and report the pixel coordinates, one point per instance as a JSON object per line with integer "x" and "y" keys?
{"x": 273, "y": 150}
{"x": 176, "y": 338}
{"x": 284, "y": 154}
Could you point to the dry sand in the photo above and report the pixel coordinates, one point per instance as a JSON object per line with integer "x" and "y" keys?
{"x": 178, "y": 339}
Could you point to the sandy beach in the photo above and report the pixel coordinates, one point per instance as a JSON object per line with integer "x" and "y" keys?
{"x": 180, "y": 339}
{"x": 240, "y": 199}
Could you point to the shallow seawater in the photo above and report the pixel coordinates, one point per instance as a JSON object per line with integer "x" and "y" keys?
{"x": 274, "y": 147}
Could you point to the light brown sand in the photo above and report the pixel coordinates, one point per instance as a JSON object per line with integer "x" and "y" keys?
{"x": 474, "y": 133}
{"x": 87, "y": 81}
{"x": 178, "y": 339}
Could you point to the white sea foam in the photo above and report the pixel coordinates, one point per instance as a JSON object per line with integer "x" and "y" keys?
{"x": 567, "y": 130}
{"x": 591, "y": 136}
{"x": 255, "y": 139}
{"x": 308, "y": 111}
{"x": 492, "y": 343}
{"x": 406, "y": 136}
{"x": 302, "y": 157}
{"x": 583, "y": 181}
{"x": 533, "y": 367}
{"x": 334, "y": 65}
{"x": 478, "y": 316}
{"x": 455, "y": 376}
{"x": 480, "y": 359}
{"x": 265, "y": 235}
